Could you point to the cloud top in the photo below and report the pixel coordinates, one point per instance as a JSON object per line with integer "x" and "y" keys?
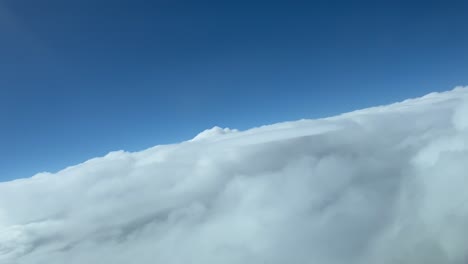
{"x": 380, "y": 185}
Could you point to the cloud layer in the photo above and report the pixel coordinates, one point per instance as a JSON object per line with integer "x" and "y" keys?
{"x": 381, "y": 185}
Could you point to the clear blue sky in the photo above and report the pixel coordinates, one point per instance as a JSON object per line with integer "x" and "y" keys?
{"x": 81, "y": 78}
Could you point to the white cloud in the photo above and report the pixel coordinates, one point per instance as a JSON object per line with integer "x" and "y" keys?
{"x": 214, "y": 132}
{"x": 381, "y": 185}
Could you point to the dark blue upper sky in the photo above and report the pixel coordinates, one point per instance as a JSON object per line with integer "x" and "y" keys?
{"x": 81, "y": 78}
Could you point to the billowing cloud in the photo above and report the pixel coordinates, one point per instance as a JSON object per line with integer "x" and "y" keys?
{"x": 381, "y": 185}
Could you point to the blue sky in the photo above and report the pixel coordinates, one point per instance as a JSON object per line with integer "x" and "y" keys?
{"x": 81, "y": 78}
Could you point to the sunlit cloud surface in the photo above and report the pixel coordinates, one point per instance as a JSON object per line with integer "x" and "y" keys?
{"x": 381, "y": 185}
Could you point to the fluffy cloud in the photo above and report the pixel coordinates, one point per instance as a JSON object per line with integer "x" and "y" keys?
{"x": 381, "y": 185}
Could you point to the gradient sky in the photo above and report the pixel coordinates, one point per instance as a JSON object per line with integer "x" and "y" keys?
{"x": 81, "y": 78}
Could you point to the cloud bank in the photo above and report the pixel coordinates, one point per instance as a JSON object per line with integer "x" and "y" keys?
{"x": 381, "y": 185}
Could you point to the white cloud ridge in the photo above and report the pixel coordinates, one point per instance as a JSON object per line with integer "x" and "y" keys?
{"x": 381, "y": 185}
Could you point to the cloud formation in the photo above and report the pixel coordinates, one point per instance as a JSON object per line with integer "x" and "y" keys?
{"x": 381, "y": 185}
